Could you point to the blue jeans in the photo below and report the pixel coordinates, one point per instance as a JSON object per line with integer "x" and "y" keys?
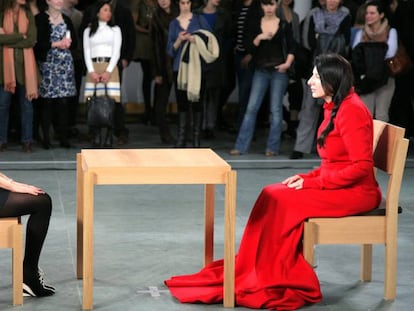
{"x": 26, "y": 113}
{"x": 262, "y": 79}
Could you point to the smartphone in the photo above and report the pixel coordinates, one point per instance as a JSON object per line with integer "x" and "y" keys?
{"x": 67, "y": 34}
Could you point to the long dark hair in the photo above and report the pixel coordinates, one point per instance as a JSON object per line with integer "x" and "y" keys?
{"x": 9, "y": 4}
{"x": 337, "y": 80}
{"x": 95, "y": 20}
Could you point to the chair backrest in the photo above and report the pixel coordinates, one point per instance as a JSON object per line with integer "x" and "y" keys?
{"x": 390, "y": 152}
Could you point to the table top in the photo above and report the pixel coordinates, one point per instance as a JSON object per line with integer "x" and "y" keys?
{"x": 152, "y": 158}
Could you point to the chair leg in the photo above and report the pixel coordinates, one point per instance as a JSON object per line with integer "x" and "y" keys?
{"x": 17, "y": 265}
{"x": 309, "y": 231}
{"x": 366, "y": 262}
{"x": 390, "y": 271}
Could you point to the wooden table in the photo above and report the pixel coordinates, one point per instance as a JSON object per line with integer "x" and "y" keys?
{"x": 155, "y": 166}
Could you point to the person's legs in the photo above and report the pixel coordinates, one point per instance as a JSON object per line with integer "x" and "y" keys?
{"x": 383, "y": 100}
{"x": 308, "y": 123}
{"x": 5, "y": 98}
{"x": 39, "y": 207}
{"x": 161, "y": 103}
{"x": 46, "y": 112}
{"x": 260, "y": 83}
{"x": 26, "y": 114}
{"x": 62, "y": 112}
{"x": 369, "y": 101}
{"x": 146, "y": 89}
{"x": 278, "y": 86}
{"x": 244, "y": 80}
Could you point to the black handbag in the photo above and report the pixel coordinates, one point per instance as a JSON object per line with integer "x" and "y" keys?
{"x": 100, "y": 110}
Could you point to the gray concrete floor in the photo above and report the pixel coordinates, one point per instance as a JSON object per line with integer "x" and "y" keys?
{"x": 145, "y": 234}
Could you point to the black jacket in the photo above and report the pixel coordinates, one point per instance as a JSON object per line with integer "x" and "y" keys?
{"x": 43, "y": 44}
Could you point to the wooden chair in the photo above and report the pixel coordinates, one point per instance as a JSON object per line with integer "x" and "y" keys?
{"x": 11, "y": 236}
{"x": 379, "y": 226}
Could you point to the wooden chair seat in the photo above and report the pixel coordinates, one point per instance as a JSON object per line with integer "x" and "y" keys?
{"x": 11, "y": 236}
{"x": 379, "y": 226}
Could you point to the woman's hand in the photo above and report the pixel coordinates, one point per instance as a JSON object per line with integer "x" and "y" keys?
{"x": 282, "y": 68}
{"x": 245, "y": 61}
{"x": 63, "y": 44}
{"x": 104, "y": 77}
{"x": 295, "y": 182}
{"x": 25, "y": 188}
{"x": 94, "y": 77}
{"x": 158, "y": 80}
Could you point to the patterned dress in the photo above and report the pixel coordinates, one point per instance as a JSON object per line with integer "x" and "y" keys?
{"x": 58, "y": 75}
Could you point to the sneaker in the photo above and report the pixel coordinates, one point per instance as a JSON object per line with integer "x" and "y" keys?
{"x": 36, "y": 286}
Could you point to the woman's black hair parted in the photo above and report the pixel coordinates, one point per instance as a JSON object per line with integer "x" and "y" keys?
{"x": 337, "y": 80}
{"x": 95, "y": 19}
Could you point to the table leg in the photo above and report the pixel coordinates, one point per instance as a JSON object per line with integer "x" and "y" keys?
{"x": 209, "y": 223}
{"x": 79, "y": 216}
{"x": 88, "y": 200}
{"x": 229, "y": 239}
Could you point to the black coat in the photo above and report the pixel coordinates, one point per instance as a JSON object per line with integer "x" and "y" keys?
{"x": 43, "y": 44}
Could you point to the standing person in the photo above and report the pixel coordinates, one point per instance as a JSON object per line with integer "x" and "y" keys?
{"x": 376, "y": 30}
{"x": 121, "y": 17}
{"x": 244, "y": 10}
{"x": 216, "y": 76}
{"x": 180, "y": 35}
{"x": 55, "y": 39}
{"x": 271, "y": 272}
{"x": 142, "y": 12}
{"x": 295, "y": 90}
{"x": 19, "y": 199}
{"x": 163, "y": 71}
{"x": 101, "y": 47}
{"x": 18, "y": 70}
{"x": 327, "y": 30}
{"x": 272, "y": 46}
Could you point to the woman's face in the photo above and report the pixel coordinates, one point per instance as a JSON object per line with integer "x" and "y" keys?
{"x": 185, "y": 5}
{"x": 105, "y": 13}
{"x": 333, "y": 5}
{"x": 164, "y": 4}
{"x": 372, "y": 16}
{"x": 269, "y": 9}
{"x": 20, "y": 2}
{"x": 315, "y": 85}
{"x": 55, "y": 4}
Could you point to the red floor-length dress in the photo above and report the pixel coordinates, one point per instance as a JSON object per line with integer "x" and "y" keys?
{"x": 271, "y": 271}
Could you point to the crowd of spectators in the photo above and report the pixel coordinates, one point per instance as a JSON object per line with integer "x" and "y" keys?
{"x": 50, "y": 40}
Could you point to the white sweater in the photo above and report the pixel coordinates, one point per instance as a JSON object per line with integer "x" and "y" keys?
{"x": 105, "y": 42}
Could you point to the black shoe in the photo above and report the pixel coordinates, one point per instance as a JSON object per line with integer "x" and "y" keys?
{"x": 295, "y": 155}
{"x": 35, "y": 286}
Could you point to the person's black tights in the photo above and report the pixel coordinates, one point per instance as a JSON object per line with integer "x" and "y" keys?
{"x": 39, "y": 207}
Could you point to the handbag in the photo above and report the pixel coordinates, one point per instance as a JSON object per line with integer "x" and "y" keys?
{"x": 401, "y": 63}
{"x": 100, "y": 110}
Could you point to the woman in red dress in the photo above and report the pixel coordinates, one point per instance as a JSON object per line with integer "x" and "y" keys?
{"x": 271, "y": 272}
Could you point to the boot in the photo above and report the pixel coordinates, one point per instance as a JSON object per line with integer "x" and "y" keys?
{"x": 181, "y": 129}
{"x": 108, "y": 138}
{"x": 197, "y": 118}
{"x": 97, "y": 138}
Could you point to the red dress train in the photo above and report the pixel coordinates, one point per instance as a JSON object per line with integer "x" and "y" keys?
{"x": 271, "y": 272}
